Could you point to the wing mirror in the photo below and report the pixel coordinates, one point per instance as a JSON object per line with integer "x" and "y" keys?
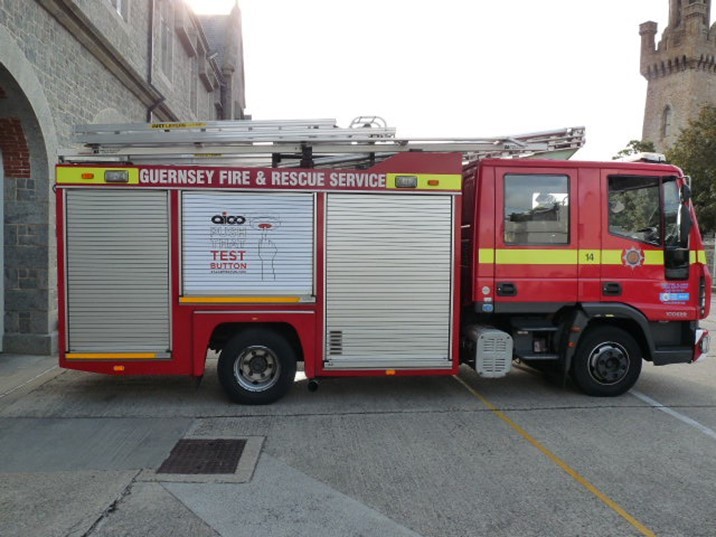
{"x": 685, "y": 192}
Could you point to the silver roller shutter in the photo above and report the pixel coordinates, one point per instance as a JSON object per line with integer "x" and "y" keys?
{"x": 118, "y": 271}
{"x": 389, "y": 276}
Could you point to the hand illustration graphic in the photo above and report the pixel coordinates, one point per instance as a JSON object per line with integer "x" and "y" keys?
{"x": 267, "y": 248}
{"x": 267, "y": 253}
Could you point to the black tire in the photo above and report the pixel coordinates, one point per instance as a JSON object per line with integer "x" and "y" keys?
{"x": 607, "y": 362}
{"x": 257, "y": 367}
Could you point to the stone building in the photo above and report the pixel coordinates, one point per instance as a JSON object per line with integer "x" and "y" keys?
{"x": 681, "y": 70}
{"x": 68, "y": 62}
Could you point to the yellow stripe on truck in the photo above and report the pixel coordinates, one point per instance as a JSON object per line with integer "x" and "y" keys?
{"x": 536, "y": 257}
{"x": 697, "y": 256}
{"x": 590, "y": 257}
{"x": 119, "y": 356}
{"x": 616, "y": 257}
{"x": 73, "y": 175}
{"x": 486, "y": 255}
{"x": 428, "y": 181}
{"x": 239, "y": 299}
{"x": 565, "y": 256}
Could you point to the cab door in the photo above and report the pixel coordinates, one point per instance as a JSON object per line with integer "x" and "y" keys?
{"x": 536, "y": 250}
{"x": 638, "y": 235}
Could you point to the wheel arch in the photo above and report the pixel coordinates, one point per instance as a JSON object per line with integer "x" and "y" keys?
{"x": 624, "y": 317}
{"x": 223, "y": 332}
{"x": 631, "y": 326}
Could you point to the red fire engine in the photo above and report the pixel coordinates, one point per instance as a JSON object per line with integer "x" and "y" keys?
{"x": 358, "y": 253}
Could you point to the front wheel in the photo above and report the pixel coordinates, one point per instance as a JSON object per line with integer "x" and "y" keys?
{"x": 607, "y": 362}
{"x": 257, "y": 366}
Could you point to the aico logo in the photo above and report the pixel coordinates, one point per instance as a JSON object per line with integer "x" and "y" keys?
{"x": 227, "y": 219}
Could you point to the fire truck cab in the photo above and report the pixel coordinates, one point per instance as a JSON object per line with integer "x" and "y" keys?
{"x": 590, "y": 267}
{"x": 357, "y": 253}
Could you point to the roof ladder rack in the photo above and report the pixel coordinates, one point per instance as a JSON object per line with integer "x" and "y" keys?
{"x": 291, "y": 143}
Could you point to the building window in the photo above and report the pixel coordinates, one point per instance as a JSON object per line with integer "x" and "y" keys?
{"x": 666, "y": 119}
{"x": 166, "y": 41}
{"x": 536, "y": 209}
{"x": 122, "y": 7}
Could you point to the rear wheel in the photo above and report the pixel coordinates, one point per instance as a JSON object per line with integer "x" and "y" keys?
{"x": 257, "y": 366}
{"x": 607, "y": 362}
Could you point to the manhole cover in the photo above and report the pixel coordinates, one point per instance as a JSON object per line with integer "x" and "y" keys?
{"x": 194, "y": 456}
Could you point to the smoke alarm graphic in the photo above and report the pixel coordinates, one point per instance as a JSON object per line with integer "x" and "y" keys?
{"x": 633, "y": 257}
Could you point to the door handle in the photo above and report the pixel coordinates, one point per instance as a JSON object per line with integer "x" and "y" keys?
{"x": 506, "y": 289}
{"x": 612, "y": 289}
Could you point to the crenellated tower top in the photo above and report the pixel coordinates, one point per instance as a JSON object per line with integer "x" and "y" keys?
{"x": 681, "y": 69}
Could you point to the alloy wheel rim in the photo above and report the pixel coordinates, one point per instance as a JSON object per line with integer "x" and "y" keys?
{"x": 257, "y": 368}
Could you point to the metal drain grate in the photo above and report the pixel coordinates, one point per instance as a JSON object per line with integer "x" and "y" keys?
{"x": 193, "y": 456}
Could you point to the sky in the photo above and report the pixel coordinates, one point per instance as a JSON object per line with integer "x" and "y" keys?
{"x": 442, "y": 68}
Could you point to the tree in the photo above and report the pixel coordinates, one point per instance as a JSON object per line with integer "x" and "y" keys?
{"x": 634, "y": 147}
{"x": 695, "y": 153}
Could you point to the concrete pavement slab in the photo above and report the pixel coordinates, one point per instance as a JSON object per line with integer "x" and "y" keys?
{"x": 79, "y": 394}
{"x": 49, "y": 445}
{"x": 150, "y": 510}
{"x": 282, "y": 502}
{"x": 57, "y": 504}
{"x": 20, "y": 374}
{"x": 446, "y": 474}
{"x": 667, "y": 483}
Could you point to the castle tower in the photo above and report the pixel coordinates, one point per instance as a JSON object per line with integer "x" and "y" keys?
{"x": 681, "y": 71}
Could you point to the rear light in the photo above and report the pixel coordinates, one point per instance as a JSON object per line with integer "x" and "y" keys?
{"x": 702, "y": 297}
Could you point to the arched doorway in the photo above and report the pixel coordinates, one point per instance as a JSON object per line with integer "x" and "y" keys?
{"x": 28, "y": 143}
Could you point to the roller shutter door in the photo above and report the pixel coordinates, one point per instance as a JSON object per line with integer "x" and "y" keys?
{"x": 389, "y": 273}
{"x": 118, "y": 271}
{"x": 248, "y": 244}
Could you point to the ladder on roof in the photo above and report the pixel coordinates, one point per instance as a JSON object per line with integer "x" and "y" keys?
{"x": 291, "y": 143}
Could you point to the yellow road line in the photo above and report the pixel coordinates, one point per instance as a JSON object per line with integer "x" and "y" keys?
{"x": 579, "y": 478}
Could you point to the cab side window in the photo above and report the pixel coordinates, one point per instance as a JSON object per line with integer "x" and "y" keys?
{"x": 634, "y": 208}
{"x": 536, "y": 209}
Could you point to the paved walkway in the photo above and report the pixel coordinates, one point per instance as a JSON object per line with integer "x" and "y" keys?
{"x": 85, "y": 475}
{"x": 19, "y": 374}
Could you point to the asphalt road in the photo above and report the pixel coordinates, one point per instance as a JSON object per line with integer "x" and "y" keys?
{"x": 440, "y": 457}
